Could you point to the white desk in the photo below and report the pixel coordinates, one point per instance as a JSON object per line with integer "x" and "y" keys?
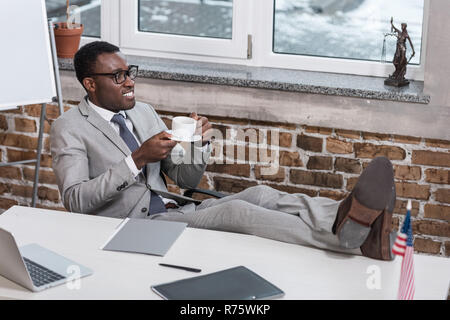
{"x": 301, "y": 272}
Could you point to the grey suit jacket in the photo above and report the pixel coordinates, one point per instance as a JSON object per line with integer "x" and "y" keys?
{"x": 90, "y": 168}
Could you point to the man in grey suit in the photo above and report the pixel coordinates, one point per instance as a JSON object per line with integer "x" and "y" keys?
{"x": 109, "y": 153}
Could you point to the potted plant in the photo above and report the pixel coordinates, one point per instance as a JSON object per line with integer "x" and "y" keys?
{"x": 67, "y": 35}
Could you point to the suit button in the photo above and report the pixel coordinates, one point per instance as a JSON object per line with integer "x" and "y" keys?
{"x": 119, "y": 188}
{"x": 144, "y": 209}
{"x": 125, "y": 184}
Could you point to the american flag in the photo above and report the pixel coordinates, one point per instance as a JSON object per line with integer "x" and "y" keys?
{"x": 403, "y": 246}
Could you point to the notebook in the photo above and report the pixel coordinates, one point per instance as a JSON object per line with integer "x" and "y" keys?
{"x": 145, "y": 236}
{"x": 238, "y": 283}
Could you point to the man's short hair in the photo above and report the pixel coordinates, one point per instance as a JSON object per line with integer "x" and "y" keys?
{"x": 86, "y": 57}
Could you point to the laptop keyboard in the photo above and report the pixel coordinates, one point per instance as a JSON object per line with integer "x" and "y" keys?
{"x": 41, "y": 275}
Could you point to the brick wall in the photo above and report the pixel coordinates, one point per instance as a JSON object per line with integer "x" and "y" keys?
{"x": 312, "y": 160}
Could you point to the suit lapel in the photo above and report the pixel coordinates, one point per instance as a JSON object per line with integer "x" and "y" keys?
{"x": 138, "y": 124}
{"x": 98, "y": 122}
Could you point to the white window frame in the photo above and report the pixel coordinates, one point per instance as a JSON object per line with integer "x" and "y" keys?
{"x": 119, "y": 25}
{"x": 132, "y": 38}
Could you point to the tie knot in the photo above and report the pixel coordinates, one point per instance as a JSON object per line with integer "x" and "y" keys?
{"x": 119, "y": 119}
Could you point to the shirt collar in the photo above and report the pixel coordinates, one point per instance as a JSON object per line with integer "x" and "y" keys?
{"x": 104, "y": 113}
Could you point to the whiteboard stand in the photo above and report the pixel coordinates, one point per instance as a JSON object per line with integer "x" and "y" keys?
{"x": 43, "y": 118}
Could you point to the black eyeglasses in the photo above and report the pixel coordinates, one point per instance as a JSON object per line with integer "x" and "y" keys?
{"x": 120, "y": 76}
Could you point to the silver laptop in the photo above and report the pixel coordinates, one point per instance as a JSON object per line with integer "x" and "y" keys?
{"x": 35, "y": 267}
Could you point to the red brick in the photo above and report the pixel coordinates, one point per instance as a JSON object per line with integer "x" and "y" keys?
{"x": 45, "y": 176}
{"x": 250, "y": 135}
{"x": 427, "y": 246}
{"x": 5, "y": 188}
{"x": 248, "y": 154}
{"x": 7, "y": 203}
{"x": 22, "y": 191}
{"x": 320, "y": 163}
{"x": 17, "y": 155}
{"x": 351, "y": 183}
{"x": 407, "y": 172}
{"x": 438, "y": 143}
{"x": 278, "y": 176}
{"x": 412, "y": 190}
{"x": 321, "y": 179}
{"x": 447, "y": 248}
{"x": 376, "y": 136}
{"x": 204, "y": 183}
{"x": 351, "y": 134}
{"x": 10, "y": 173}
{"x": 433, "y": 228}
{"x": 395, "y": 223}
{"x": 19, "y": 110}
{"x": 309, "y": 143}
{"x": 435, "y": 211}
{"x": 437, "y": 176}
{"x": 52, "y": 111}
{"x": 45, "y": 193}
{"x": 339, "y": 146}
{"x": 320, "y": 130}
{"x": 18, "y": 140}
{"x": 47, "y": 126}
{"x": 25, "y": 125}
{"x": 367, "y": 150}
{"x": 400, "y": 207}
{"x": 335, "y": 195}
{"x": 3, "y": 122}
{"x": 430, "y": 158}
{"x": 288, "y": 126}
{"x": 406, "y": 139}
{"x": 285, "y": 139}
{"x": 442, "y": 195}
{"x": 232, "y": 185}
{"x": 242, "y": 170}
{"x": 347, "y": 165}
{"x": 290, "y": 159}
{"x": 293, "y": 190}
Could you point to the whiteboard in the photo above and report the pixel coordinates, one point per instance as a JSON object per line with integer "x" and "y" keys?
{"x": 27, "y": 75}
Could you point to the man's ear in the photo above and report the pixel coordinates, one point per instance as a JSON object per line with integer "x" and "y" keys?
{"x": 89, "y": 84}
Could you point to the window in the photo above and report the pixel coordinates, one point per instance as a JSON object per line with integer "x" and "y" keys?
{"x": 352, "y": 29}
{"x": 206, "y": 18}
{"x": 196, "y": 27}
{"x": 88, "y": 10}
{"x": 343, "y": 36}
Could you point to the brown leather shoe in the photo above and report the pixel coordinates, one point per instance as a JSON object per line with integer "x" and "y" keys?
{"x": 381, "y": 238}
{"x": 358, "y": 215}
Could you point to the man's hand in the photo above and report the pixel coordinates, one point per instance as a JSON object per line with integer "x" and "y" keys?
{"x": 203, "y": 127}
{"x": 154, "y": 149}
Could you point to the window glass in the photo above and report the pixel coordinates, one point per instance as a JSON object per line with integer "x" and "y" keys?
{"x": 201, "y": 18}
{"x": 89, "y": 11}
{"x": 352, "y": 29}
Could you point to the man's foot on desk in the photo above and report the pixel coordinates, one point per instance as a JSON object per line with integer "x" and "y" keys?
{"x": 364, "y": 217}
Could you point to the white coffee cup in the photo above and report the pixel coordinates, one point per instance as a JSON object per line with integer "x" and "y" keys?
{"x": 183, "y": 127}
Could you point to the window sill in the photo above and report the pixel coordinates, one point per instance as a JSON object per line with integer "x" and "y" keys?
{"x": 270, "y": 78}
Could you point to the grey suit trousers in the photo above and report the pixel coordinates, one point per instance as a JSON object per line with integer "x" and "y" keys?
{"x": 269, "y": 213}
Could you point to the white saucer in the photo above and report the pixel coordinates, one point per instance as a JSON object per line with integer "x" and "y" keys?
{"x": 194, "y": 138}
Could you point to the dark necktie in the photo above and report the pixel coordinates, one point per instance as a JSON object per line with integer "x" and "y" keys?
{"x": 156, "y": 204}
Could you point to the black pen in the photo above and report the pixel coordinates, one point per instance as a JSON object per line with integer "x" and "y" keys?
{"x": 180, "y": 267}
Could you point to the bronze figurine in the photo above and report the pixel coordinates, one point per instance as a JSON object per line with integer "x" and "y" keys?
{"x": 400, "y": 61}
